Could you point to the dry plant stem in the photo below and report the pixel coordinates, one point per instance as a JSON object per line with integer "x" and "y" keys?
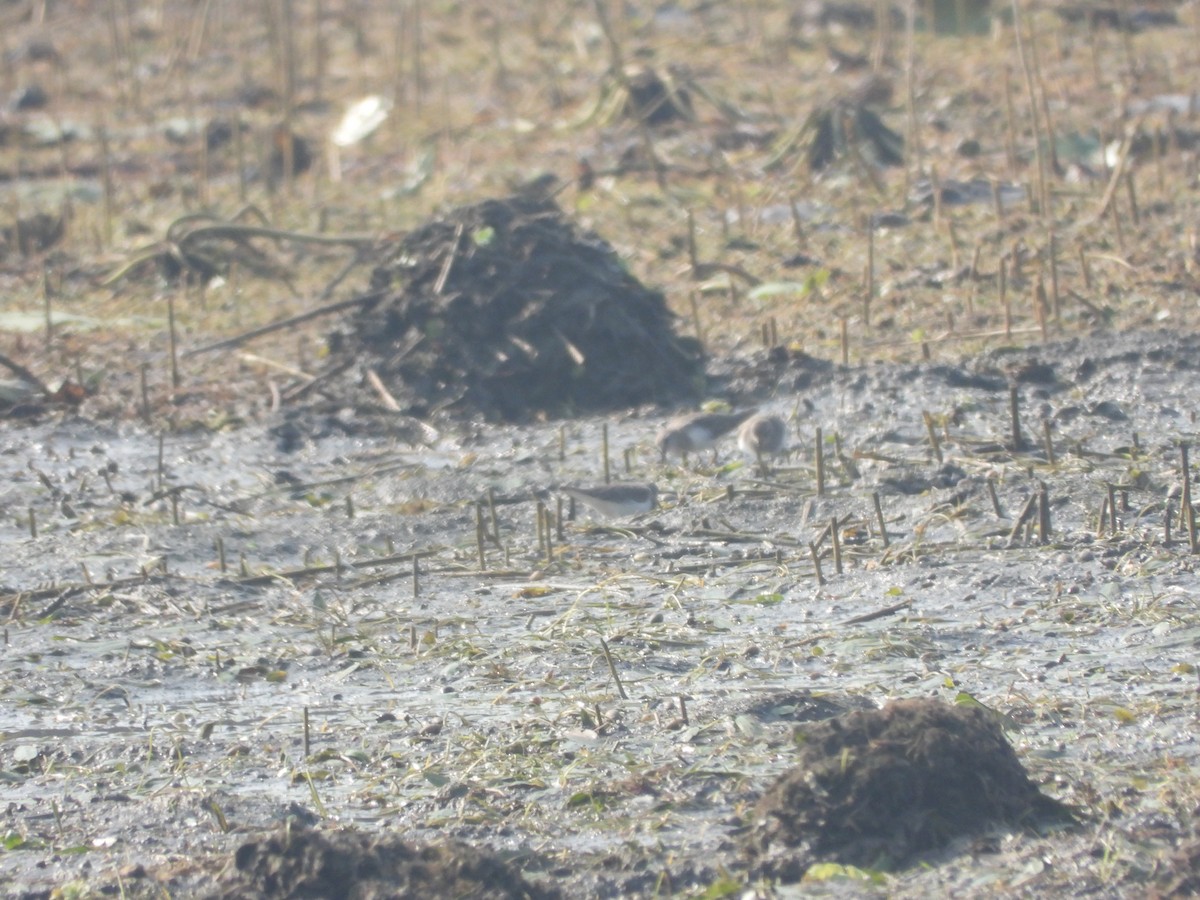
{"x": 816, "y": 561}
{"x": 118, "y": 52}
{"x": 1051, "y": 141}
{"x": 882, "y": 42}
{"x": 1014, "y": 410}
{"x": 844, "y": 331}
{"x": 239, "y": 149}
{"x": 869, "y": 287}
{"x": 1055, "y": 299}
{"x": 385, "y": 396}
{"x": 1131, "y": 190}
{"x": 837, "y": 545}
{"x": 1049, "y": 443}
{"x": 1027, "y": 68}
{"x": 604, "y": 453}
{"x": 883, "y": 533}
{"x": 1004, "y": 301}
{"x": 933, "y": 438}
{"x": 1044, "y": 526}
{"x": 291, "y": 321}
{"x": 416, "y": 576}
{"x": 995, "y": 499}
{"x": 318, "y": 52}
{"x": 491, "y": 501}
{"x": 612, "y": 669}
{"x": 912, "y": 140}
{"x": 1118, "y": 226}
{"x": 308, "y": 570}
{"x": 1111, "y": 504}
{"x": 307, "y": 735}
{"x": 820, "y": 450}
{"x": 172, "y": 340}
{"x": 47, "y": 303}
{"x": 106, "y": 170}
{"x": 1039, "y": 307}
{"x": 955, "y": 247}
{"x": 25, "y": 375}
{"x": 448, "y": 263}
{"x": 997, "y": 203}
{"x": 562, "y": 443}
{"x": 1127, "y": 39}
{"x": 144, "y": 370}
{"x": 935, "y": 185}
{"x": 880, "y": 613}
{"x": 693, "y": 259}
{"x": 1160, "y": 141}
{"x": 1118, "y": 172}
{"x": 1010, "y": 143}
{"x": 797, "y": 224}
{"x": 418, "y": 60}
{"x": 198, "y": 32}
{"x": 222, "y": 563}
{"x": 1186, "y": 510}
{"x": 1026, "y": 515}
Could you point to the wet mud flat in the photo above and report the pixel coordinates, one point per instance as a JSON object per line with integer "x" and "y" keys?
{"x": 212, "y": 636}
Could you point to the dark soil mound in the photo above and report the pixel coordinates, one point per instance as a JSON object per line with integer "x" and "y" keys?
{"x": 304, "y": 863}
{"x": 875, "y": 788}
{"x": 508, "y": 309}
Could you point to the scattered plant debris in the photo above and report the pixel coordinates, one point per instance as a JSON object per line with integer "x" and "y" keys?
{"x": 847, "y": 127}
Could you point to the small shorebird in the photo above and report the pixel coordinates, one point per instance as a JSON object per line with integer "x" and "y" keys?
{"x": 700, "y": 431}
{"x": 762, "y": 435}
{"x": 617, "y": 500}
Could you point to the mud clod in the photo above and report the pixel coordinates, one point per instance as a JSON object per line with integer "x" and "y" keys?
{"x": 876, "y": 788}
{"x": 508, "y": 309}
{"x": 309, "y": 863}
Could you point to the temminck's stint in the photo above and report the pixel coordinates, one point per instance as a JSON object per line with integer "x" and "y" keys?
{"x": 763, "y": 435}
{"x": 617, "y": 500}
{"x": 700, "y": 431}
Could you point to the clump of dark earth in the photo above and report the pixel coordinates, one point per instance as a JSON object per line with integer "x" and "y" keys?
{"x": 876, "y": 788}
{"x": 507, "y": 309}
{"x": 310, "y": 863}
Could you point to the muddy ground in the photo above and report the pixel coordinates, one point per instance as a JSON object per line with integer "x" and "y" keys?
{"x": 157, "y": 696}
{"x": 266, "y": 632}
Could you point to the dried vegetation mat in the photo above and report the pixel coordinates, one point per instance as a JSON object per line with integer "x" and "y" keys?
{"x": 508, "y": 309}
